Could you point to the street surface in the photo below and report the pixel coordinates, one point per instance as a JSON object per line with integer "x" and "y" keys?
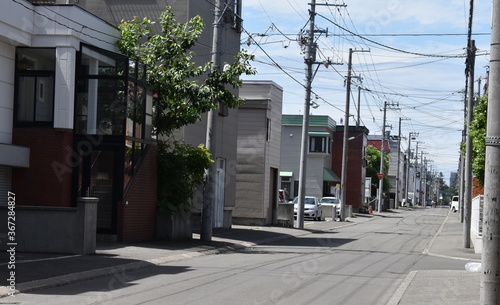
{"x": 358, "y": 264}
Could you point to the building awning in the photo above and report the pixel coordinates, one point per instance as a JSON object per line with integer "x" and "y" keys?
{"x": 286, "y": 174}
{"x": 329, "y": 175}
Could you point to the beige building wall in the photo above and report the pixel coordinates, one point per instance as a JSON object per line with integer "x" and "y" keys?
{"x": 259, "y": 148}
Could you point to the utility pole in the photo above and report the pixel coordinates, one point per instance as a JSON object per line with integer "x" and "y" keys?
{"x": 396, "y": 200}
{"x": 211, "y": 137}
{"x": 425, "y": 181}
{"x": 422, "y": 178}
{"x": 490, "y": 262}
{"x": 408, "y": 157}
{"x": 382, "y": 158}
{"x": 415, "y": 176}
{"x": 343, "y": 178}
{"x": 310, "y": 60}
{"x": 398, "y": 176}
{"x": 461, "y": 189}
{"x": 359, "y": 109}
{"x": 468, "y": 142}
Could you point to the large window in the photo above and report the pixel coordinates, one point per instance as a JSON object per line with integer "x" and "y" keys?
{"x": 101, "y": 101}
{"x": 35, "y": 68}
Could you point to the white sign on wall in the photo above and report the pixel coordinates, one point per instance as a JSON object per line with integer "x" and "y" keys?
{"x": 368, "y": 187}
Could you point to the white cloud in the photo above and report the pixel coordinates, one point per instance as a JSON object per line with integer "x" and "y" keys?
{"x": 426, "y": 90}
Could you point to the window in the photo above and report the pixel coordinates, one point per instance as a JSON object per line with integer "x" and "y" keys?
{"x": 319, "y": 144}
{"x": 35, "y": 70}
{"x": 223, "y": 109}
{"x": 101, "y": 93}
{"x": 268, "y": 133}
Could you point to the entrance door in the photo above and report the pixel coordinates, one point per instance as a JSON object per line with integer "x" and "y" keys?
{"x": 219, "y": 193}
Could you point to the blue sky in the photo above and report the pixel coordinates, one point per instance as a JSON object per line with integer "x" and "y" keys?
{"x": 427, "y": 88}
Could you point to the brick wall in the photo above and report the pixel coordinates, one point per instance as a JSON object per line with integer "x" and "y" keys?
{"x": 47, "y": 181}
{"x": 355, "y": 161}
{"x": 137, "y": 219}
{"x": 477, "y": 189}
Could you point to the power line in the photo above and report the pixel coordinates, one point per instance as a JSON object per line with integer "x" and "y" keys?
{"x": 389, "y": 47}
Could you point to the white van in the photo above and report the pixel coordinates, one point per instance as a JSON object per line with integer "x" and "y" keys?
{"x": 454, "y": 204}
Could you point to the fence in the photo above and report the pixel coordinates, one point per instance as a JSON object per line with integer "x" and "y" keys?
{"x": 476, "y": 229}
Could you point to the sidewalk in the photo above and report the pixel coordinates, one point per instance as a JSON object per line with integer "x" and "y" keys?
{"x": 40, "y": 271}
{"x": 442, "y": 287}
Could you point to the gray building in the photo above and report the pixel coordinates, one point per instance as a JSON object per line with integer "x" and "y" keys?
{"x": 320, "y": 179}
{"x": 259, "y": 148}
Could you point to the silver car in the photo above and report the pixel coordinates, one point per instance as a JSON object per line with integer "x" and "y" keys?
{"x": 311, "y": 207}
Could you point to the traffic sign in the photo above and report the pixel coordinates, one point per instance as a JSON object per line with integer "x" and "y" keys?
{"x": 380, "y": 176}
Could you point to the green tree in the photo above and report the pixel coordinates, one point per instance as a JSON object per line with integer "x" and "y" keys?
{"x": 373, "y": 168}
{"x": 184, "y": 92}
{"x": 446, "y": 191}
{"x": 478, "y": 136}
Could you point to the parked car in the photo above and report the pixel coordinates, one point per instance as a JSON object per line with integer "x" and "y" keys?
{"x": 454, "y": 204}
{"x": 311, "y": 207}
{"x": 331, "y": 200}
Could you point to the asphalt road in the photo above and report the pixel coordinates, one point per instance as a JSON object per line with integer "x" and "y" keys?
{"x": 360, "y": 264}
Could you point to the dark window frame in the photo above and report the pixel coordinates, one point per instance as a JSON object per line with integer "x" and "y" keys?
{"x": 18, "y": 74}
{"x": 325, "y": 144}
{"x": 82, "y": 76}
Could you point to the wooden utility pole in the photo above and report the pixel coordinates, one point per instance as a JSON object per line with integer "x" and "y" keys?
{"x": 471, "y": 55}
